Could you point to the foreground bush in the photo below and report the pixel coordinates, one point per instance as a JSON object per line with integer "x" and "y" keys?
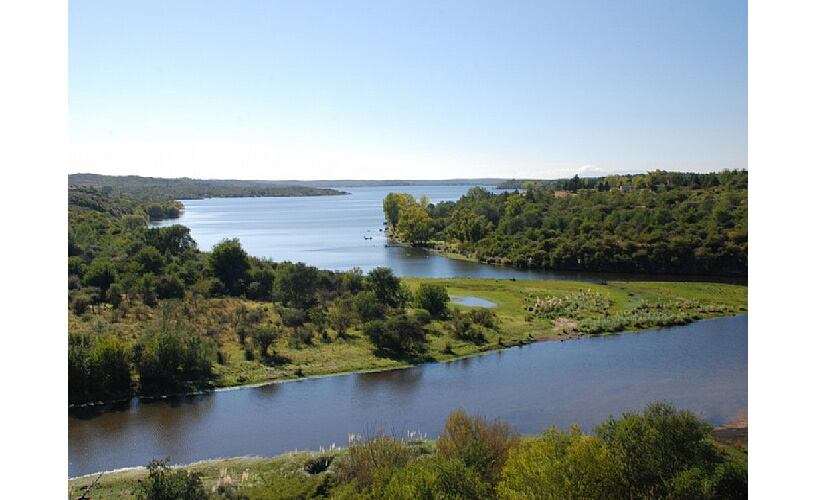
{"x": 562, "y": 465}
{"x": 481, "y": 445}
{"x": 164, "y": 483}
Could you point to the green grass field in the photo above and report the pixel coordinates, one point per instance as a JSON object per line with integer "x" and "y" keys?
{"x": 564, "y": 310}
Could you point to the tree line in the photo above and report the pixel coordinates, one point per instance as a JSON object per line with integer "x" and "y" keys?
{"x": 184, "y": 188}
{"x": 660, "y": 222}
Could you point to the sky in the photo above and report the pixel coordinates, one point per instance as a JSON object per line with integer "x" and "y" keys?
{"x": 262, "y": 89}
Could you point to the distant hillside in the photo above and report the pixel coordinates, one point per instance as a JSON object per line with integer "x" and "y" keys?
{"x": 184, "y": 188}
{"x": 488, "y": 181}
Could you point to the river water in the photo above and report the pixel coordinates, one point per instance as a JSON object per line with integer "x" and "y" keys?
{"x": 701, "y": 367}
{"x": 330, "y": 232}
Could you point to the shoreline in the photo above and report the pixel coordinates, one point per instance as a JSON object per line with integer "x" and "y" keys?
{"x": 553, "y": 337}
{"x": 732, "y": 434}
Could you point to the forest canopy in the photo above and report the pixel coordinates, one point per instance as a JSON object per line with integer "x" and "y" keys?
{"x": 660, "y": 222}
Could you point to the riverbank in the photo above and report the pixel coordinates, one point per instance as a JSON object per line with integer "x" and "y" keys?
{"x": 526, "y": 311}
{"x": 297, "y": 474}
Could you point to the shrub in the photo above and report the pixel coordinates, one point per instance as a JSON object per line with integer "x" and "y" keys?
{"x": 341, "y": 315}
{"x": 432, "y": 298}
{"x": 658, "y": 445}
{"x": 164, "y": 483}
{"x": 365, "y": 461}
{"x": 483, "y": 316}
{"x": 292, "y": 317}
{"x": 480, "y": 444}
{"x": 421, "y": 316}
{"x": 397, "y": 336}
{"x": 435, "y": 478}
{"x": 166, "y": 359}
{"x": 80, "y": 303}
{"x": 368, "y": 307}
{"x": 301, "y": 335}
{"x": 562, "y": 465}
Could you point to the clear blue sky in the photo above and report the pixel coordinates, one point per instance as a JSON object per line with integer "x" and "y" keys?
{"x": 414, "y": 89}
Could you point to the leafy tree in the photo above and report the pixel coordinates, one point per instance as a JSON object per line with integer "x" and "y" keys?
{"x": 229, "y": 263}
{"x": 110, "y": 368}
{"x": 387, "y": 287}
{"x": 368, "y": 306}
{"x": 432, "y": 298}
{"x": 394, "y": 204}
{"x": 115, "y": 293}
{"x": 296, "y": 284}
{"x": 415, "y": 225}
{"x": 150, "y": 260}
{"x": 341, "y": 315}
{"x": 264, "y": 338}
{"x": 146, "y": 287}
{"x": 396, "y": 336}
{"x": 101, "y": 273}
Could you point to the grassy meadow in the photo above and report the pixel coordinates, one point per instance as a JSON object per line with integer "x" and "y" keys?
{"x": 526, "y": 311}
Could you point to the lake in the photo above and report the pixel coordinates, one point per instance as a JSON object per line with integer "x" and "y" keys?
{"x": 342, "y": 232}
{"x": 702, "y": 367}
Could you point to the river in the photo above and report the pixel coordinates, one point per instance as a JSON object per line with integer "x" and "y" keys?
{"x": 342, "y": 232}
{"x": 702, "y": 367}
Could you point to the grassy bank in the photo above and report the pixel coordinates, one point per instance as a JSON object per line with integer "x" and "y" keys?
{"x": 526, "y": 311}
{"x": 306, "y": 474}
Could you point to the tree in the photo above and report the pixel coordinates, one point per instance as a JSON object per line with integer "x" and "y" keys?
{"x": 101, "y": 273}
{"x": 387, "y": 287}
{"x": 296, "y": 284}
{"x": 656, "y": 446}
{"x": 396, "y": 336}
{"x": 115, "y": 292}
{"x": 265, "y": 337}
{"x": 229, "y": 263}
{"x": 110, "y": 368}
{"x": 432, "y": 298}
{"x": 368, "y": 306}
{"x": 341, "y": 315}
{"x": 150, "y": 260}
{"x": 394, "y": 204}
{"x": 415, "y": 225}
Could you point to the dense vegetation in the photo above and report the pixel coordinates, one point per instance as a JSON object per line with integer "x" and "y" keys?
{"x": 659, "y": 453}
{"x": 156, "y": 188}
{"x": 145, "y": 305}
{"x": 149, "y": 313}
{"x": 660, "y": 222}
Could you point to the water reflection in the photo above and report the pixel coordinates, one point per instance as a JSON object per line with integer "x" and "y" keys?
{"x": 702, "y": 367}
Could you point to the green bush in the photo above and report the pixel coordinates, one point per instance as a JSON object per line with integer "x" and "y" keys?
{"x": 435, "y": 478}
{"x": 396, "y": 336}
{"x": 368, "y": 307}
{"x": 165, "y": 483}
{"x": 432, "y": 298}
{"x": 479, "y": 444}
{"x": 562, "y": 465}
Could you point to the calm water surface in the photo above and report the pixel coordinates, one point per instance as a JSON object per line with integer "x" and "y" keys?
{"x": 701, "y": 367}
{"x": 330, "y": 232}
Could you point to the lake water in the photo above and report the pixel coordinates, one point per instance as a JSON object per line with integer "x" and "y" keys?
{"x": 330, "y": 232}
{"x": 701, "y": 367}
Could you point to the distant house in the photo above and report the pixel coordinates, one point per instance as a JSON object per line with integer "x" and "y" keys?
{"x": 625, "y": 188}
